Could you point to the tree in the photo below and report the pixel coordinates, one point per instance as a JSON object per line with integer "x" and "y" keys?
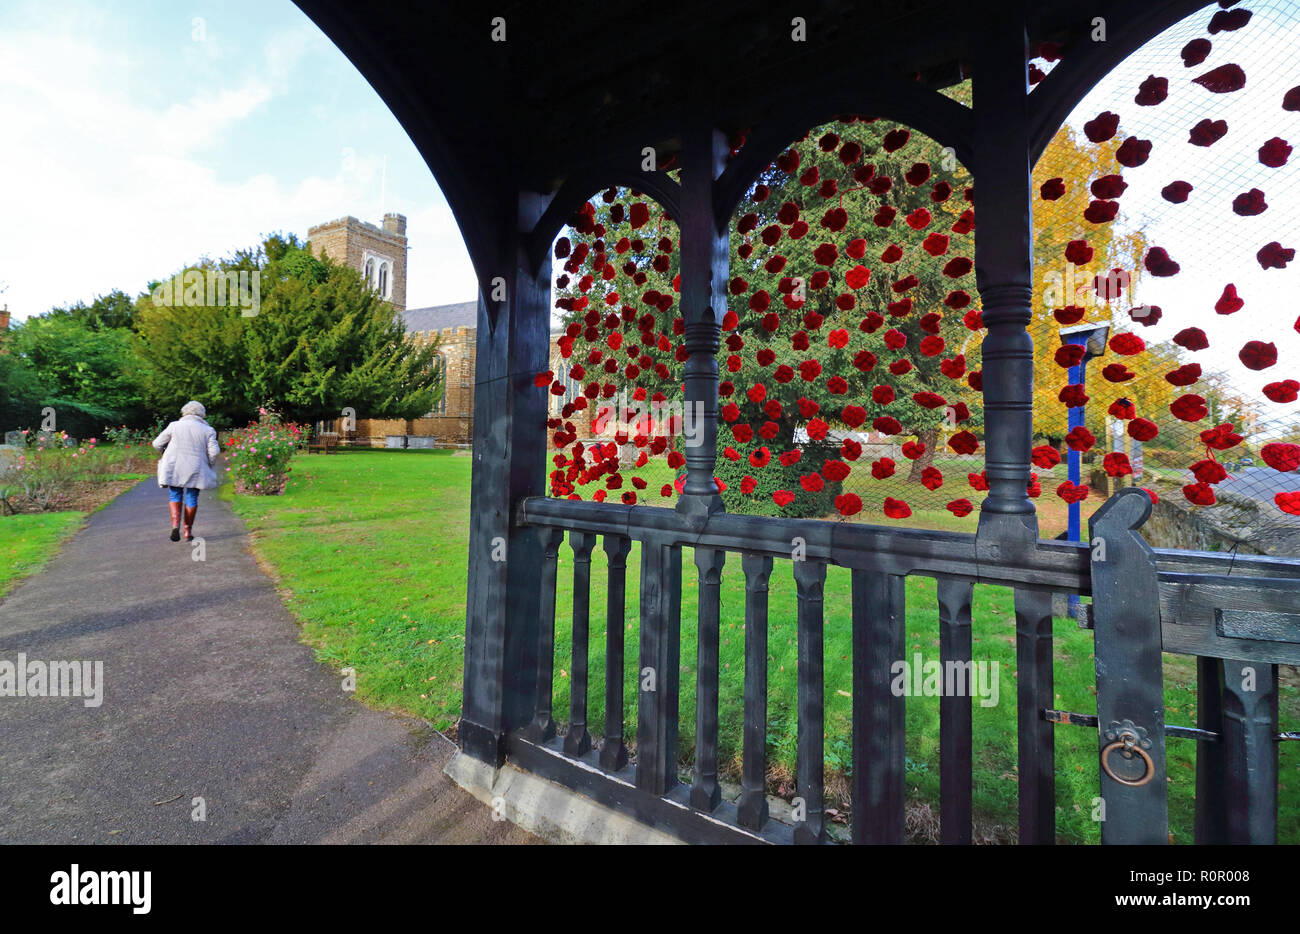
{"x": 1067, "y": 285}
{"x": 76, "y": 361}
{"x": 21, "y": 390}
{"x": 194, "y": 351}
{"x": 318, "y": 340}
{"x": 324, "y": 341}
{"x": 114, "y": 310}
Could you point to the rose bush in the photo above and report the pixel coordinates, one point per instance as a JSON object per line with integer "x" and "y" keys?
{"x": 260, "y": 455}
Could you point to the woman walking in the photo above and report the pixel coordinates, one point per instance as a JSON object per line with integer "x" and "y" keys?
{"x": 190, "y": 450}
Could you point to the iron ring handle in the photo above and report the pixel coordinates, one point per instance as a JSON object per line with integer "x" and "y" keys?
{"x": 1127, "y": 743}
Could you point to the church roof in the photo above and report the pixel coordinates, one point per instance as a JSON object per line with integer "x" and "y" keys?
{"x": 437, "y": 317}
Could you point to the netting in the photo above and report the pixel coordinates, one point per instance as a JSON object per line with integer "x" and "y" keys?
{"x": 850, "y": 364}
{"x": 1163, "y": 236}
{"x": 831, "y": 369}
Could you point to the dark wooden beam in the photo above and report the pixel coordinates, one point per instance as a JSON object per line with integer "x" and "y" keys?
{"x": 873, "y": 93}
{"x": 505, "y": 560}
{"x": 623, "y": 171}
{"x": 1129, "y": 26}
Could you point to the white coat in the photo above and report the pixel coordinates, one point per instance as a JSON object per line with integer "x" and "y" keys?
{"x": 190, "y": 450}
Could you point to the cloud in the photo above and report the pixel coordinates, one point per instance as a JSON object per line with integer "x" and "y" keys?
{"x": 132, "y": 151}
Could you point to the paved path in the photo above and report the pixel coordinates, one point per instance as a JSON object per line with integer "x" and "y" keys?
{"x": 207, "y": 693}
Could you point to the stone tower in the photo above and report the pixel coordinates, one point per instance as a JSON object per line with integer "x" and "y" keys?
{"x": 378, "y": 253}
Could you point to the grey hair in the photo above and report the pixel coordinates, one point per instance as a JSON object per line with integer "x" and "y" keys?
{"x": 194, "y": 408}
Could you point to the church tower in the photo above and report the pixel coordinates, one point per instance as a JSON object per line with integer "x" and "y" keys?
{"x": 378, "y": 253}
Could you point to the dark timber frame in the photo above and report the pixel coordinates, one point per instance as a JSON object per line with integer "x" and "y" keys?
{"x": 503, "y": 149}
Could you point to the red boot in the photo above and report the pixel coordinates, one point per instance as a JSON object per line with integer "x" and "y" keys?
{"x": 175, "y": 509}
{"x": 189, "y": 522}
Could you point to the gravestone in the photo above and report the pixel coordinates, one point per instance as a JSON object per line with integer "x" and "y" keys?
{"x": 14, "y": 444}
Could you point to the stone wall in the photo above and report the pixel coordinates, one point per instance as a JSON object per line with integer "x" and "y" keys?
{"x": 452, "y": 419}
{"x": 1175, "y": 524}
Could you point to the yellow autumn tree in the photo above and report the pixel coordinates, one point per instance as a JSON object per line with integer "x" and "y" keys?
{"x": 1060, "y": 283}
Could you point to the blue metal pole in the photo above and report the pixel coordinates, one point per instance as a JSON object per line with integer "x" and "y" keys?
{"x": 1074, "y": 416}
{"x": 1073, "y": 462}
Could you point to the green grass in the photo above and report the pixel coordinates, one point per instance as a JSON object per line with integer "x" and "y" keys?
{"x": 29, "y": 541}
{"x": 370, "y": 550}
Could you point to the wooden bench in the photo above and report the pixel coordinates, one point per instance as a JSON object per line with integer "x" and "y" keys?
{"x": 325, "y": 443}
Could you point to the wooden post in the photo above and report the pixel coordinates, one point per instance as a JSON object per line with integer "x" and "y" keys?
{"x": 1004, "y": 276}
{"x": 660, "y": 674}
{"x": 542, "y": 726}
{"x": 501, "y": 634}
{"x": 1035, "y": 741}
{"x": 706, "y": 793}
{"x": 578, "y": 740}
{"x": 1211, "y": 758}
{"x": 879, "y": 715}
{"x": 810, "y": 764}
{"x": 613, "y": 752}
{"x": 1130, "y": 674}
{"x": 1004, "y": 265}
{"x": 705, "y": 252}
{"x": 752, "y": 809}
{"x": 1250, "y": 706}
{"x": 955, "y": 738}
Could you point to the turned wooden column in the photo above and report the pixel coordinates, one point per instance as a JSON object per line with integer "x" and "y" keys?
{"x": 704, "y": 258}
{"x": 1004, "y": 276}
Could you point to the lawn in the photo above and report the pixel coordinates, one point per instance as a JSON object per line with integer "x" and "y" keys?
{"x": 31, "y": 538}
{"x": 369, "y": 549}
{"x": 29, "y": 541}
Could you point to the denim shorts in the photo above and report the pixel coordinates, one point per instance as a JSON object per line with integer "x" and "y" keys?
{"x": 191, "y": 496}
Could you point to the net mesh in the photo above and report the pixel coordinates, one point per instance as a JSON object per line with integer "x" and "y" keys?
{"x": 850, "y": 362}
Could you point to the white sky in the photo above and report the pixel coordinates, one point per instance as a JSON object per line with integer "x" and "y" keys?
{"x": 1213, "y": 245}
{"x": 140, "y": 135}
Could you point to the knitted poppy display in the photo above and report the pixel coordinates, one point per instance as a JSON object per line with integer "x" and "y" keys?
{"x": 848, "y": 504}
{"x": 1071, "y": 492}
{"x": 1281, "y": 456}
{"x": 824, "y": 364}
{"x": 963, "y": 507}
{"x": 896, "y": 508}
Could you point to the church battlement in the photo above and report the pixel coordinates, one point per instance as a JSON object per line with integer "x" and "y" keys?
{"x": 377, "y": 252}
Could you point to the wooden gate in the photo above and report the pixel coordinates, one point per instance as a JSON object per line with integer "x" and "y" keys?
{"x": 1239, "y": 615}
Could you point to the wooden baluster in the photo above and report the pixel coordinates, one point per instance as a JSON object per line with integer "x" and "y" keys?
{"x": 955, "y": 712}
{"x": 578, "y": 741}
{"x": 879, "y": 724}
{"x": 613, "y": 753}
{"x": 705, "y": 791}
{"x": 1035, "y": 743}
{"x": 1250, "y": 715}
{"x": 543, "y": 726}
{"x": 810, "y": 580}
{"x": 752, "y": 809}
{"x": 1211, "y": 757}
{"x": 660, "y": 674}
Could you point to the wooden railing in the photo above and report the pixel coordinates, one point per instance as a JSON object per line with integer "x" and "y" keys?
{"x": 1233, "y": 613}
